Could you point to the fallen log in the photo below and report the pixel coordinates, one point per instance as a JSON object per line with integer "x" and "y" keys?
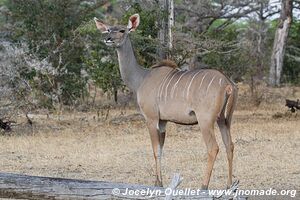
{"x": 19, "y": 186}
{"x": 293, "y": 105}
{"x": 5, "y": 125}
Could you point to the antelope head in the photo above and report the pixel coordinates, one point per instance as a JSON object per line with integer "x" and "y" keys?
{"x": 115, "y": 36}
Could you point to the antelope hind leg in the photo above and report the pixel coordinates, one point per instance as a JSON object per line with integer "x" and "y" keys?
{"x": 207, "y": 130}
{"x": 226, "y": 137}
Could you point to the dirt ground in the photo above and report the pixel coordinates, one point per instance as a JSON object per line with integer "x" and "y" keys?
{"x": 85, "y": 146}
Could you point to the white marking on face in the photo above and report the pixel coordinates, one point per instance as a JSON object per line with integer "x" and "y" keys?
{"x": 188, "y": 89}
{"x": 174, "y": 87}
{"x": 161, "y": 87}
{"x": 210, "y": 83}
{"x": 166, "y": 94}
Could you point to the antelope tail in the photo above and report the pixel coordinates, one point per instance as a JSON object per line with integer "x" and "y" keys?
{"x": 230, "y": 103}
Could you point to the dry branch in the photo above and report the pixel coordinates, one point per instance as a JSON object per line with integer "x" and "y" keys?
{"x": 176, "y": 180}
{"x": 5, "y": 125}
{"x": 35, "y": 187}
{"x": 293, "y": 105}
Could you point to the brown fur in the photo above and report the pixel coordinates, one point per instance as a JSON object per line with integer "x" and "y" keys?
{"x": 165, "y": 63}
{"x": 228, "y": 89}
{"x": 161, "y": 90}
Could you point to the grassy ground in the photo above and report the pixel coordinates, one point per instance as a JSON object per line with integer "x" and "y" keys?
{"x": 81, "y": 145}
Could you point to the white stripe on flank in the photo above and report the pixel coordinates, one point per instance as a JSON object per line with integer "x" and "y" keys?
{"x": 220, "y": 81}
{"x": 185, "y": 86}
{"x": 166, "y": 94}
{"x": 160, "y": 91}
{"x": 210, "y": 83}
{"x": 202, "y": 80}
{"x": 188, "y": 89}
{"x": 174, "y": 87}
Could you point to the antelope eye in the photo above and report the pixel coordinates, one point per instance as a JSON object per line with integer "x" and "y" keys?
{"x": 122, "y": 31}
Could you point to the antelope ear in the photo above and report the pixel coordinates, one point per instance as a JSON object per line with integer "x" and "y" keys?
{"x": 133, "y": 22}
{"x": 101, "y": 26}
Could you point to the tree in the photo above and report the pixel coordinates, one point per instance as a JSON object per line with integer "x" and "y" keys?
{"x": 17, "y": 69}
{"x": 100, "y": 62}
{"x": 201, "y": 36}
{"x": 101, "y": 67}
{"x": 280, "y": 42}
{"x": 49, "y": 27}
{"x": 291, "y": 69}
{"x": 255, "y": 41}
{"x": 165, "y": 23}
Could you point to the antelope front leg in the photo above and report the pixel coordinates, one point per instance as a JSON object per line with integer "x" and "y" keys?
{"x": 157, "y": 140}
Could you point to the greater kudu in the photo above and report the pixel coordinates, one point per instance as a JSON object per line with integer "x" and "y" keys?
{"x": 165, "y": 93}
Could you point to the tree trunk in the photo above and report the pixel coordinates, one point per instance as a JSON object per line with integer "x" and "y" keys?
{"x": 162, "y": 24}
{"x": 17, "y": 186}
{"x": 166, "y": 24}
{"x": 280, "y": 41}
{"x": 170, "y": 23}
{"x": 115, "y": 91}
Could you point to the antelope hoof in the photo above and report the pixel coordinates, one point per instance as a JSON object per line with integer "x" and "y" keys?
{"x": 204, "y": 187}
{"x": 234, "y": 186}
{"x": 158, "y": 183}
{"x": 228, "y": 186}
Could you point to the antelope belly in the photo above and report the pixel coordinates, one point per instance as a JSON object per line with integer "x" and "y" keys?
{"x": 177, "y": 112}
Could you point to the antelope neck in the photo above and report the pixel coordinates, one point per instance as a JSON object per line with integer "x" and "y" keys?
{"x": 131, "y": 72}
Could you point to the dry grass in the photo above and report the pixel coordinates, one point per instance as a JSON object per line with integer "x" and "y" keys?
{"x": 79, "y": 146}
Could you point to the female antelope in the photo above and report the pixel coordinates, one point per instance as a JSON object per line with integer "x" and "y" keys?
{"x": 165, "y": 93}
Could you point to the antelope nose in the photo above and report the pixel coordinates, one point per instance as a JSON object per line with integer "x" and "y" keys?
{"x": 108, "y": 39}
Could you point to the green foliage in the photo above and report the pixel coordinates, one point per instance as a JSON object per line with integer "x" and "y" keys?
{"x": 226, "y": 56}
{"x": 99, "y": 61}
{"x": 103, "y": 69}
{"x": 291, "y": 68}
{"x": 64, "y": 34}
{"x": 105, "y": 74}
{"x": 147, "y": 27}
{"x": 48, "y": 26}
{"x": 144, "y": 40}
